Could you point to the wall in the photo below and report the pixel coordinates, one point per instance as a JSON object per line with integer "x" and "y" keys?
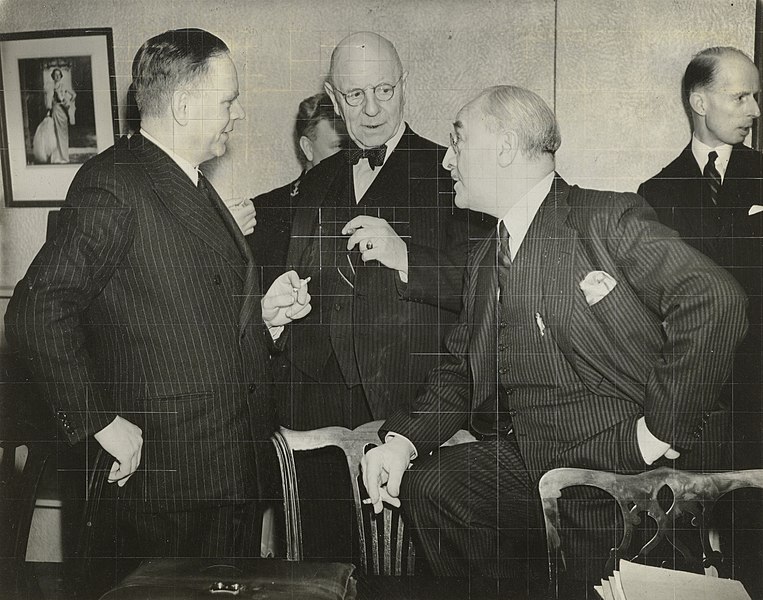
{"x": 451, "y": 48}
{"x": 618, "y": 79}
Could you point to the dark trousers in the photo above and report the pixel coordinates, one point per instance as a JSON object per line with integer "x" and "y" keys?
{"x": 476, "y": 512}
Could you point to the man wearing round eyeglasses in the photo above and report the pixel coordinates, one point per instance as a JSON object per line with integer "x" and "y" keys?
{"x": 376, "y": 229}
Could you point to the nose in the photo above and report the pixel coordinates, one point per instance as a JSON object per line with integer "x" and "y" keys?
{"x": 237, "y": 111}
{"x": 755, "y": 108}
{"x": 449, "y": 162}
{"x": 371, "y": 105}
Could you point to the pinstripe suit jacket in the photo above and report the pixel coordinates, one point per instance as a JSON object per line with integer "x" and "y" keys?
{"x": 670, "y": 373}
{"x": 397, "y": 328}
{"x": 134, "y": 308}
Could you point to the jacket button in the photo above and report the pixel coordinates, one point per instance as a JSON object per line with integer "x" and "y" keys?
{"x": 337, "y": 307}
{"x": 510, "y": 391}
{"x": 503, "y": 370}
{"x": 252, "y": 388}
{"x": 512, "y": 412}
{"x": 217, "y": 279}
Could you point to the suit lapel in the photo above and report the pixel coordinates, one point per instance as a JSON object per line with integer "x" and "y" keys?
{"x": 558, "y": 263}
{"x": 186, "y": 203}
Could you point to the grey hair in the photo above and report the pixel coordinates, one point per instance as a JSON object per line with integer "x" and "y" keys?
{"x": 512, "y": 108}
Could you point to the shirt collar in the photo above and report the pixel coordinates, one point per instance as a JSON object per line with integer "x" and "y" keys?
{"x": 700, "y": 150}
{"x": 191, "y": 170}
{"x": 521, "y": 215}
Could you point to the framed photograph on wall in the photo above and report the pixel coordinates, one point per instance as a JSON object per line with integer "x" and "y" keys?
{"x": 58, "y": 108}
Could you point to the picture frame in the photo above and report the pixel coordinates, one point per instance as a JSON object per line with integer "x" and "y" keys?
{"x": 58, "y": 108}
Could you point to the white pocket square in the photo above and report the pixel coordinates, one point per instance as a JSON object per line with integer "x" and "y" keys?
{"x": 755, "y": 209}
{"x": 596, "y": 285}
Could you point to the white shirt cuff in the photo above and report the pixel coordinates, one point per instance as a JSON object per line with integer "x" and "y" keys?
{"x": 650, "y": 447}
{"x": 392, "y": 434}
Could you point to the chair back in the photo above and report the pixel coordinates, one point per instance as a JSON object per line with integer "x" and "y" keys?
{"x": 693, "y": 494}
{"x": 386, "y": 545}
{"x": 22, "y": 464}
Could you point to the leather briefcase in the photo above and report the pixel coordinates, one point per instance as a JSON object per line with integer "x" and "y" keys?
{"x": 260, "y": 578}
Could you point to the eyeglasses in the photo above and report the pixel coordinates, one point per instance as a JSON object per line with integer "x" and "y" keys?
{"x": 454, "y": 142}
{"x": 382, "y": 91}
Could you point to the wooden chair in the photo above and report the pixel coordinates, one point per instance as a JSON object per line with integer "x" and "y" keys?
{"x": 22, "y": 463}
{"x": 693, "y": 494}
{"x": 386, "y": 546}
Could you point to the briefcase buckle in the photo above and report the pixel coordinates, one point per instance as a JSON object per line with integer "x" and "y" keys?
{"x": 224, "y": 587}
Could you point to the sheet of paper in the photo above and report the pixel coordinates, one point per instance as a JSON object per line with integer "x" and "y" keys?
{"x": 641, "y": 582}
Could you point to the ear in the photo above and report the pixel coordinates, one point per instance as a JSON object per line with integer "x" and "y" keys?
{"x": 507, "y": 147}
{"x": 181, "y": 107}
{"x": 306, "y": 145}
{"x": 697, "y": 102}
{"x": 330, "y": 91}
{"x": 403, "y": 86}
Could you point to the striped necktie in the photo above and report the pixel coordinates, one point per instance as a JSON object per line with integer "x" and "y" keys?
{"x": 713, "y": 177}
{"x": 502, "y": 259}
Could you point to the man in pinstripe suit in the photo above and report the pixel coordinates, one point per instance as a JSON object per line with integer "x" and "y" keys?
{"x": 591, "y": 336}
{"x": 142, "y": 318}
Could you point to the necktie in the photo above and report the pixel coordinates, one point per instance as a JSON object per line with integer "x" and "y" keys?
{"x": 504, "y": 250}
{"x": 713, "y": 177}
{"x": 503, "y": 259}
{"x": 375, "y": 156}
{"x": 251, "y": 285}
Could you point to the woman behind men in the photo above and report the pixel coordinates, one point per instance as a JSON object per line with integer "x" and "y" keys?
{"x": 59, "y": 100}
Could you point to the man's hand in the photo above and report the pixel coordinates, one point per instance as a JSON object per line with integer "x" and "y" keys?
{"x": 376, "y": 240}
{"x": 286, "y": 300}
{"x": 124, "y": 441}
{"x": 244, "y": 213}
{"x": 383, "y": 469}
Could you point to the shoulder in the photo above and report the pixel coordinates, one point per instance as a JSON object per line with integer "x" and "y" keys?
{"x": 112, "y": 169}
{"x": 599, "y": 212}
{"x": 279, "y": 196}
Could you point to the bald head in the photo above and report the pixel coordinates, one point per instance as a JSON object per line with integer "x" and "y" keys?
{"x": 367, "y": 64}
{"x": 361, "y": 51}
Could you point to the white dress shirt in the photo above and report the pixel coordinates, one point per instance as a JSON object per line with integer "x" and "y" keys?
{"x": 700, "y": 150}
{"x": 363, "y": 175}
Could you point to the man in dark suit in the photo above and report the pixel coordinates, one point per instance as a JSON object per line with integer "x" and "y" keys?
{"x": 712, "y": 194}
{"x": 591, "y": 336}
{"x": 318, "y": 134}
{"x": 376, "y": 230}
{"x": 142, "y": 318}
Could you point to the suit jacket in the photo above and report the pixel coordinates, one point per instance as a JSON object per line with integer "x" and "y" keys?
{"x": 658, "y": 345}
{"x": 134, "y": 308}
{"x": 397, "y": 328}
{"x": 734, "y": 239}
{"x": 270, "y": 240}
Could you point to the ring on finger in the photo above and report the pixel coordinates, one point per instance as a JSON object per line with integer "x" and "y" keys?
{"x": 369, "y": 245}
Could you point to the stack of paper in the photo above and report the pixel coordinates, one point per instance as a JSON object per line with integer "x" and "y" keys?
{"x": 640, "y": 582}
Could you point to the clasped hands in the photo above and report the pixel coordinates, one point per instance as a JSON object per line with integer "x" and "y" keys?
{"x": 376, "y": 240}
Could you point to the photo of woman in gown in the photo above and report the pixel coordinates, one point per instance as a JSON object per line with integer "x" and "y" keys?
{"x": 59, "y": 100}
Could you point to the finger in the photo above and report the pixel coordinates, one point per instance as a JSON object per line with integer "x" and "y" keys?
{"x": 393, "y": 482}
{"x": 356, "y": 223}
{"x": 291, "y": 278}
{"x": 297, "y": 313}
{"x": 372, "y": 254}
{"x": 303, "y": 296}
{"x": 386, "y": 497}
{"x": 114, "y": 473}
{"x": 371, "y": 478}
{"x": 357, "y": 239}
{"x": 277, "y": 301}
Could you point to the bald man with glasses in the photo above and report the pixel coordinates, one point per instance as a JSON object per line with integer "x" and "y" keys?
{"x": 377, "y": 230}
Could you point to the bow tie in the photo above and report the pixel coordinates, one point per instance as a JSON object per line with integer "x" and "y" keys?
{"x": 375, "y": 155}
